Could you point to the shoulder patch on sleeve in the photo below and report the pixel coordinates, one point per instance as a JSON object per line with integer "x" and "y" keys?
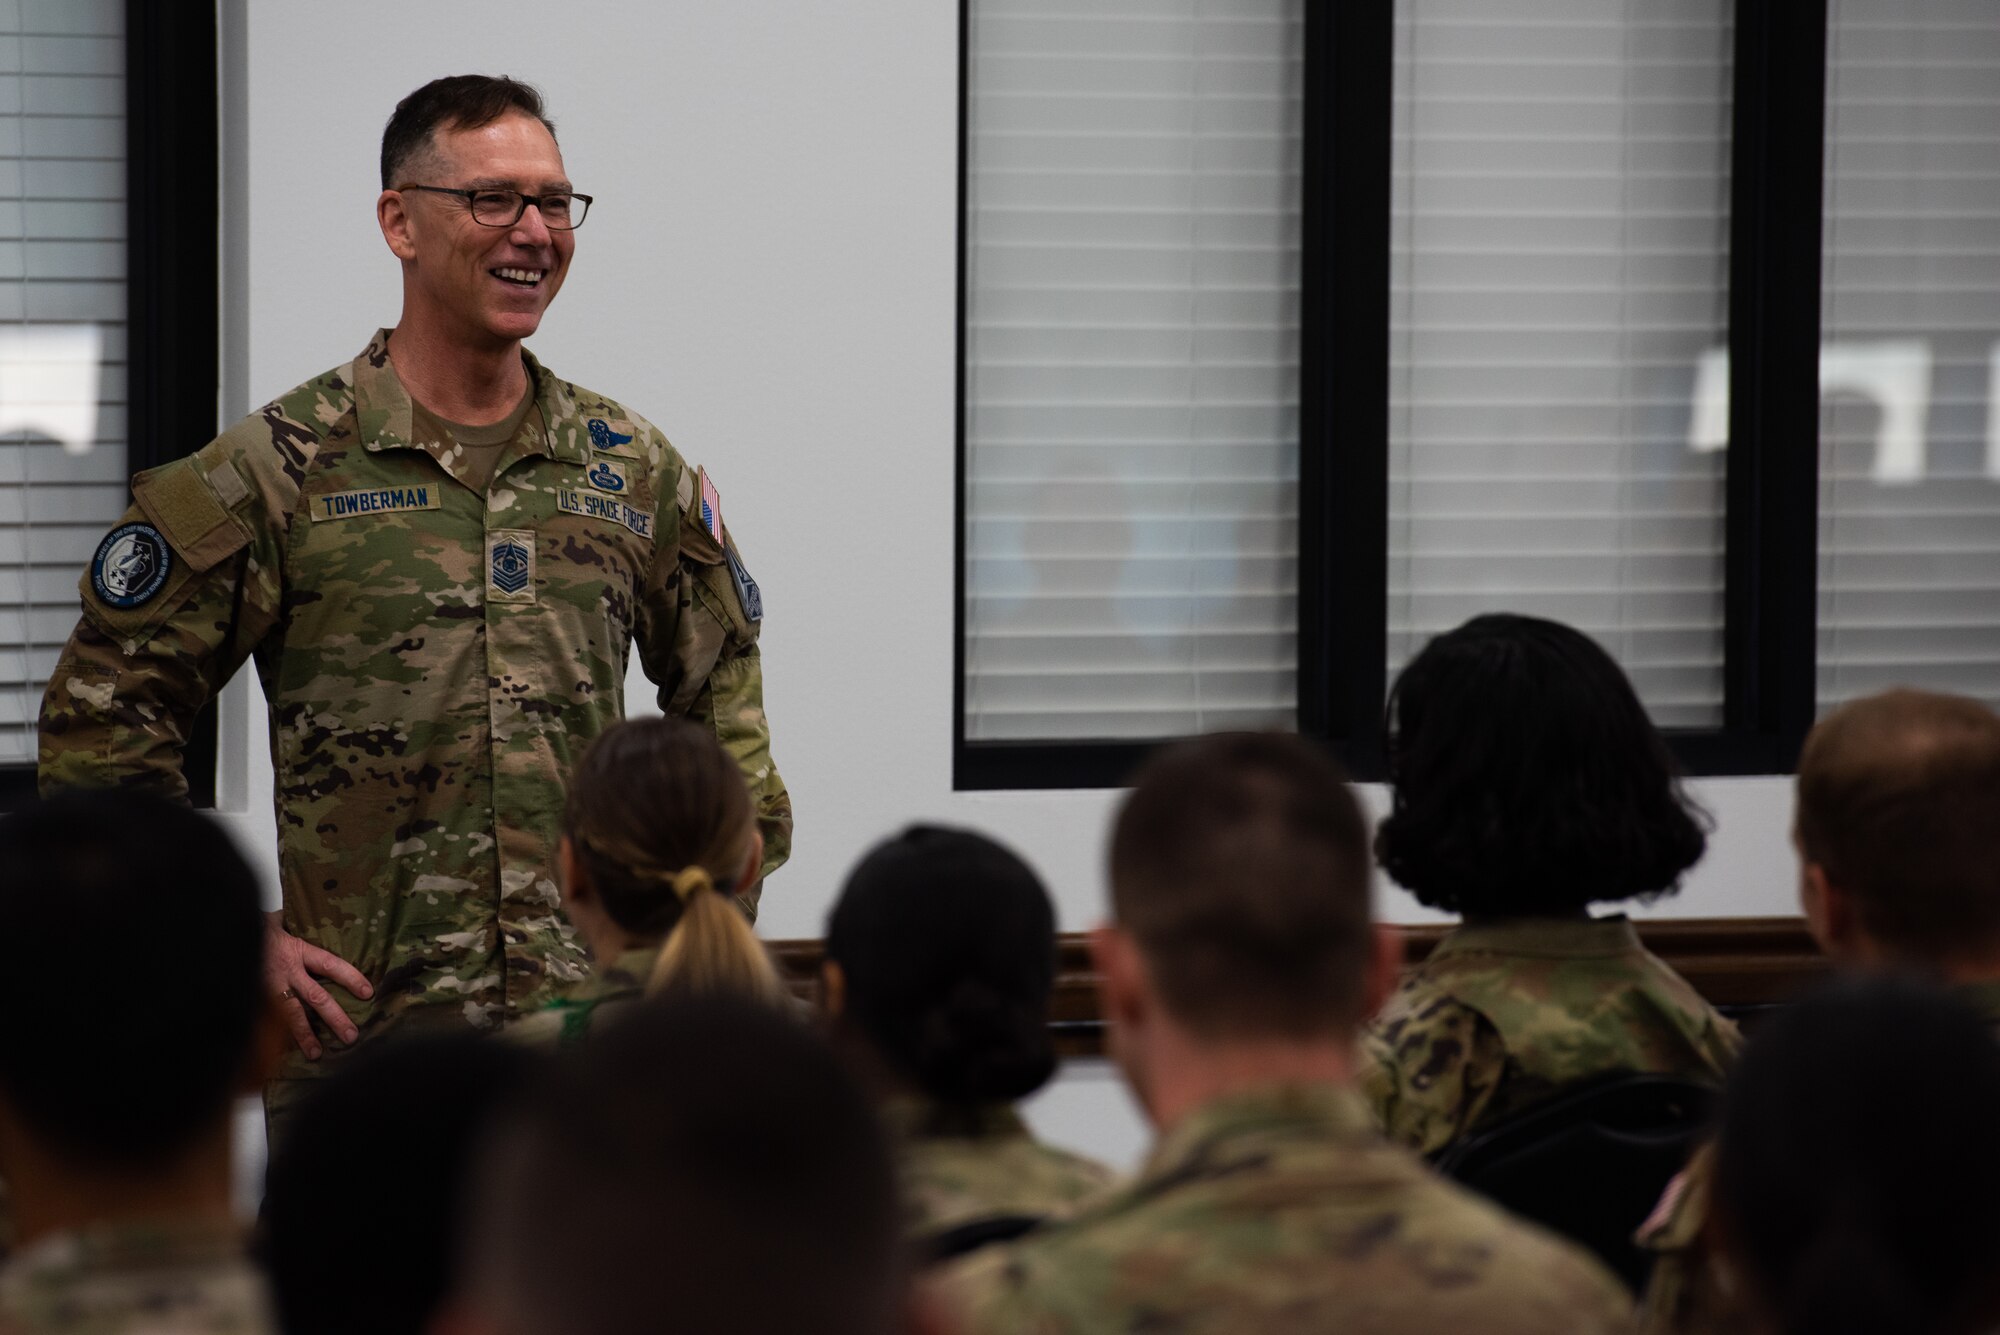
{"x": 748, "y": 595}
{"x": 131, "y": 565}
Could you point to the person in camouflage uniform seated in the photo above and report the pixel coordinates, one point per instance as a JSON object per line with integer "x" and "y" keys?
{"x": 440, "y": 557}
{"x": 1852, "y": 1205}
{"x": 940, "y": 958}
{"x": 1239, "y": 963}
{"x": 1528, "y": 784}
{"x": 1899, "y": 852}
{"x": 660, "y": 847}
{"x": 123, "y": 1051}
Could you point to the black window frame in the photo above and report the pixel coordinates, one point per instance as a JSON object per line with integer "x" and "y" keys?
{"x": 1778, "y": 116}
{"x": 172, "y": 279}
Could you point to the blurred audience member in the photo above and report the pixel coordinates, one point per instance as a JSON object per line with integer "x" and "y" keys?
{"x": 659, "y": 844}
{"x": 134, "y": 1013}
{"x": 1897, "y": 826}
{"x": 1849, "y": 1204}
{"x": 359, "y": 1229}
{"x": 704, "y": 1164}
{"x": 1237, "y": 970}
{"x": 940, "y": 958}
{"x": 1529, "y": 784}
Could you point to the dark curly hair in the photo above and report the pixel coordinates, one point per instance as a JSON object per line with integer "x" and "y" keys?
{"x": 1527, "y": 779}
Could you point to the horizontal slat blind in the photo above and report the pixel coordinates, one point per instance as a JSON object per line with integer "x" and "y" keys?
{"x": 62, "y": 328}
{"x": 1132, "y": 258}
{"x": 1559, "y": 269}
{"x": 1910, "y": 379}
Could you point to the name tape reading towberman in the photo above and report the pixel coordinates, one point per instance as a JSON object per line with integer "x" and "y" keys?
{"x": 606, "y": 507}
{"x": 374, "y": 501}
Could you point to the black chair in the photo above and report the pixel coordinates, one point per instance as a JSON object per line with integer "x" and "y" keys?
{"x": 962, "y": 1239}
{"x": 1591, "y": 1162}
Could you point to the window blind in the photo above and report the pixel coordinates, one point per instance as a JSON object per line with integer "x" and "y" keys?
{"x": 1131, "y": 367}
{"x": 1559, "y": 274}
{"x": 62, "y": 328}
{"x": 1910, "y": 373}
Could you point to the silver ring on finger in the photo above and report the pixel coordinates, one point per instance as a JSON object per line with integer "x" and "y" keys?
{"x": 285, "y": 995}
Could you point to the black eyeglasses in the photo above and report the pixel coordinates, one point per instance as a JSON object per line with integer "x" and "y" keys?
{"x": 562, "y": 211}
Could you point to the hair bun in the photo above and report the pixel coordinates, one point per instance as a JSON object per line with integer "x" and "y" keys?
{"x": 978, "y": 1046}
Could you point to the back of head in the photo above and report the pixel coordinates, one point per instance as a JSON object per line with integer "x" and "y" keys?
{"x": 1857, "y": 1177}
{"x": 365, "y": 1181}
{"x": 1527, "y": 778}
{"x": 130, "y": 1002}
{"x": 946, "y": 944}
{"x": 1240, "y": 866}
{"x": 662, "y": 824}
{"x": 455, "y": 102}
{"x": 1899, "y": 804}
{"x": 705, "y": 1165}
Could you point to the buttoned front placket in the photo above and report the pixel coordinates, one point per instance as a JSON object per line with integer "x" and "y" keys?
{"x": 534, "y": 944}
{"x": 528, "y": 775}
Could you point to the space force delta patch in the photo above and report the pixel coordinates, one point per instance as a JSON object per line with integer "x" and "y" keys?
{"x": 605, "y": 507}
{"x": 131, "y": 565}
{"x": 374, "y": 501}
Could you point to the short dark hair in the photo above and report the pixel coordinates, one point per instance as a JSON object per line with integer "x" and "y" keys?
{"x": 1526, "y": 777}
{"x": 1239, "y": 864}
{"x": 395, "y": 1123}
{"x": 1899, "y": 803}
{"x": 947, "y": 942}
{"x": 129, "y": 1007}
{"x": 1857, "y": 1180}
{"x": 456, "y": 102}
{"x": 706, "y": 1163}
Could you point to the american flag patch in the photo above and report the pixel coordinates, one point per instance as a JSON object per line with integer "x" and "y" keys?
{"x": 711, "y": 508}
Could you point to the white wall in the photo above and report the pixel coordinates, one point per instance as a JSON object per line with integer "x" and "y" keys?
{"x": 769, "y": 276}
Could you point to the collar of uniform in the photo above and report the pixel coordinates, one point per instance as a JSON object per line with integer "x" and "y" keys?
{"x": 561, "y": 435}
{"x": 915, "y": 1118}
{"x": 130, "y": 1246}
{"x": 1280, "y": 1114}
{"x": 387, "y": 416}
{"x": 1550, "y": 938}
{"x": 628, "y": 971}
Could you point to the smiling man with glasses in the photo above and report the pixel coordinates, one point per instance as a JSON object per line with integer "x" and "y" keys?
{"x": 440, "y": 556}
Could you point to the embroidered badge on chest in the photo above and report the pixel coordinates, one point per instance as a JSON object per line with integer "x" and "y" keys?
{"x": 510, "y": 566}
{"x": 131, "y": 565}
{"x": 608, "y": 475}
{"x": 603, "y": 437}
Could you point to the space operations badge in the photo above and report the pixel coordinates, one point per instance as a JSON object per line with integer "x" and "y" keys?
{"x": 131, "y": 565}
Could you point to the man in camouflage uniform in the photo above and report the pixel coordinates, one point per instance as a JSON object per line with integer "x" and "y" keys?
{"x": 1241, "y": 960}
{"x": 1899, "y": 854}
{"x": 440, "y": 613}
{"x": 116, "y": 1096}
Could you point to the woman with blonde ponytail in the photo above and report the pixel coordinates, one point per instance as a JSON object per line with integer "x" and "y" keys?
{"x": 659, "y": 840}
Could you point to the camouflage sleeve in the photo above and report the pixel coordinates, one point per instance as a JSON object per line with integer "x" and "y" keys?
{"x": 988, "y": 1294}
{"x": 174, "y": 600}
{"x": 1430, "y": 1073}
{"x": 698, "y": 631}
{"x": 1683, "y": 1294}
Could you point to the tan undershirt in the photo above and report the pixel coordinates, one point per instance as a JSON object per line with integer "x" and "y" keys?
{"x": 480, "y": 446}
